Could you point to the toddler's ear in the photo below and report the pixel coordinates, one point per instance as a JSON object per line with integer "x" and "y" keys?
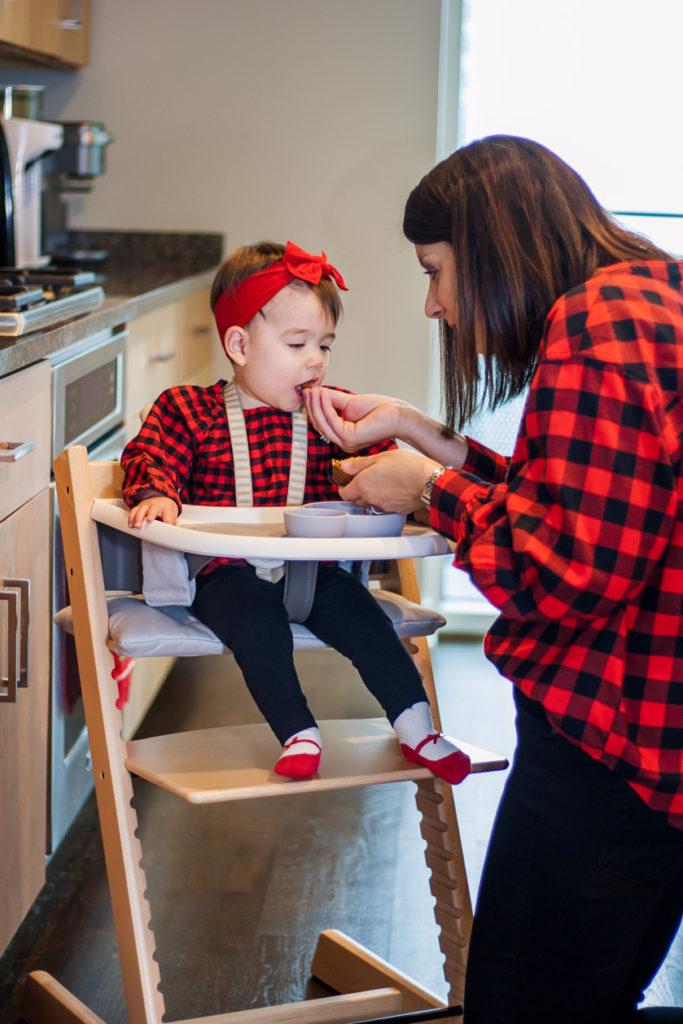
{"x": 234, "y": 344}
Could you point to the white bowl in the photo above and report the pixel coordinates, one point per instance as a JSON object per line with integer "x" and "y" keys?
{"x": 314, "y": 522}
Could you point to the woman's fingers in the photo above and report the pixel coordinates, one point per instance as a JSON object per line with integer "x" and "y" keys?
{"x": 391, "y": 481}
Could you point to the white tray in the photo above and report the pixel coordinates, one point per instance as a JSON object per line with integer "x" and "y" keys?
{"x": 260, "y": 533}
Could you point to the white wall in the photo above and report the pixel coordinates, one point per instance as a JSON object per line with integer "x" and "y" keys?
{"x": 301, "y": 119}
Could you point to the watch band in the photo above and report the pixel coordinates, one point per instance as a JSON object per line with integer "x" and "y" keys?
{"x": 426, "y": 495}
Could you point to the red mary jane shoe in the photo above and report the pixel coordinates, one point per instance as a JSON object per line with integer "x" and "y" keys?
{"x": 452, "y": 768}
{"x": 299, "y": 766}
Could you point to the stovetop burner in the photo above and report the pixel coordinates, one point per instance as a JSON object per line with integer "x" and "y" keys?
{"x": 36, "y": 297}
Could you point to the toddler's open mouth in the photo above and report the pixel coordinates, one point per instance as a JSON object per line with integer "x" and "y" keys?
{"x": 300, "y": 388}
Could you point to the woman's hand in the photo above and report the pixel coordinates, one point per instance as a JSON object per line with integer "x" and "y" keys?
{"x": 158, "y": 507}
{"x": 391, "y": 481}
{"x": 364, "y": 419}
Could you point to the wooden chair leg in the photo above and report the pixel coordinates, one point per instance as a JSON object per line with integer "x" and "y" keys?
{"x": 45, "y": 1001}
{"x": 346, "y": 966}
{"x": 439, "y": 825}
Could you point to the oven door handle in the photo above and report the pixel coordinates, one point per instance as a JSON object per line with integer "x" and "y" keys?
{"x": 12, "y": 451}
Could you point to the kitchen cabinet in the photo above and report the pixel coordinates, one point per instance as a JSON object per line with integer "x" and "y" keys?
{"x": 24, "y": 570}
{"x": 45, "y": 32}
{"x": 174, "y": 344}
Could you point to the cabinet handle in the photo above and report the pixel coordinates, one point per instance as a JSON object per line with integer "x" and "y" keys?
{"x": 12, "y": 451}
{"x": 202, "y": 330}
{"x": 76, "y": 21}
{"x": 8, "y": 683}
{"x": 15, "y": 593}
{"x": 161, "y": 357}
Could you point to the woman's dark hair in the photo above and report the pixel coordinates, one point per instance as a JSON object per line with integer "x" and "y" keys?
{"x": 524, "y": 228}
{"x": 249, "y": 259}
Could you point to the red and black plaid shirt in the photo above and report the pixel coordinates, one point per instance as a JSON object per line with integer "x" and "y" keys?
{"x": 578, "y": 538}
{"x": 183, "y": 451}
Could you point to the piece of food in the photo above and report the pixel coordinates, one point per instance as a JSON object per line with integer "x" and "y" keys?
{"x": 339, "y": 477}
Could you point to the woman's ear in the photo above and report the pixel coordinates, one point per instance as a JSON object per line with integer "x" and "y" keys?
{"x": 234, "y": 344}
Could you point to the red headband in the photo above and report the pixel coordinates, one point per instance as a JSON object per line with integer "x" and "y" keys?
{"x": 238, "y": 305}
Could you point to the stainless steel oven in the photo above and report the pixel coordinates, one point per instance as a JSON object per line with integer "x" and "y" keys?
{"x": 89, "y": 403}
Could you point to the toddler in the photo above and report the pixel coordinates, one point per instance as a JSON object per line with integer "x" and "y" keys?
{"x": 248, "y": 442}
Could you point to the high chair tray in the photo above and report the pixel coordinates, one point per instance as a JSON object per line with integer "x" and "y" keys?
{"x": 260, "y": 533}
{"x": 235, "y": 762}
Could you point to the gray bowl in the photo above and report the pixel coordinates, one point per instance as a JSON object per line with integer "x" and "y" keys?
{"x": 361, "y": 523}
{"x": 314, "y": 522}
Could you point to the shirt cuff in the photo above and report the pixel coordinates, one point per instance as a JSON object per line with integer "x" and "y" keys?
{"x": 484, "y": 463}
{"x": 452, "y": 490}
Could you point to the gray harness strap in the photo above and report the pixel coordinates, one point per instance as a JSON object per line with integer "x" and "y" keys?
{"x": 300, "y": 577}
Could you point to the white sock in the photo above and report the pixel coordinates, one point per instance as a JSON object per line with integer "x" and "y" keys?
{"x": 414, "y": 724}
{"x": 304, "y": 747}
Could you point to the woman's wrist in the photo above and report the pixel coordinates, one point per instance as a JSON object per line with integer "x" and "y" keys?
{"x": 408, "y": 421}
{"x": 425, "y": 434}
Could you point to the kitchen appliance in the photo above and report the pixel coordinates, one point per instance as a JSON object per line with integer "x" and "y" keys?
{"x": 69, "y": 173}
{"x": 88, "y": 407}
{"x": 34, "y": 298}
{"x": 26, "y": 143}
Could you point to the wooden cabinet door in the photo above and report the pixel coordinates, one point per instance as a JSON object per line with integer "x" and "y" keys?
{"x": 199, "y": 344}
{"x": 24, "y": 555}
{"x": 55, "y": 31}
{"x": 15, "y": 22}
{"x": 25, "y": 414}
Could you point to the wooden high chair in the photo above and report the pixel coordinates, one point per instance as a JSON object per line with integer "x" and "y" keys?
{"x": 218, "y": 765}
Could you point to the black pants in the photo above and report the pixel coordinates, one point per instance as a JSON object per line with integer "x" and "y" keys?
{"x": 248, "y": 615}
{"x": 581, "y": 896}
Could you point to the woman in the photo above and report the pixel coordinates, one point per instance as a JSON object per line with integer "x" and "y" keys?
{"x": 578, "y": 540}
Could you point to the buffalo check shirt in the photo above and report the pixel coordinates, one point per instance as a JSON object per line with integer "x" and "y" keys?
{"x": 578, "y": 538}
{"x": 183, "y": 451}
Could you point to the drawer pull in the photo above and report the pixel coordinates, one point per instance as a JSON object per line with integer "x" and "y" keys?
{"x": 202, "y": 330}
{"x": 15, "y": 593}
{"x": 161, "y": 357}
{"x": 12, "y": 451}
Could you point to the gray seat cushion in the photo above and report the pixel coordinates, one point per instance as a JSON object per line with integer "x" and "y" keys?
{"x": 136, "y": 630}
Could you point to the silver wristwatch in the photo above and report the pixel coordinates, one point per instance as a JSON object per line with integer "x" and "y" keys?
{"x": 426, "y": 496}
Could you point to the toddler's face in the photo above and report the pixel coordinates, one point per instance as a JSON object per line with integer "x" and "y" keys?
{"x": 286, "y": 345}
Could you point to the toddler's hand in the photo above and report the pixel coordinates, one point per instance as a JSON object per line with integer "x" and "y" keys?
{"x": 158, "y": 507}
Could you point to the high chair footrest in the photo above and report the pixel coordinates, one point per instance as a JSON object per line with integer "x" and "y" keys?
{"x": 235, "y": 762}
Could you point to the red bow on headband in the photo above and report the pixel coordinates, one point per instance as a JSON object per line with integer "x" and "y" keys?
{"x": 310, "y": 268}
{"x": 237, "y": 306}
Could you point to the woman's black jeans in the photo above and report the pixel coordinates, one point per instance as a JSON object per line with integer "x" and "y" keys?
{"x": 581, "y": 896}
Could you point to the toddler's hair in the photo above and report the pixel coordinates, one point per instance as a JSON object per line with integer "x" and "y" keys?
{"x": 250, "y": 259}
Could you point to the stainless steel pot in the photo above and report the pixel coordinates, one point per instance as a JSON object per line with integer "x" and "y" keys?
{"x": 82, "y": 152}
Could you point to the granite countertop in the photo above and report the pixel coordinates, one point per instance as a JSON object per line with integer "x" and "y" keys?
{"x": 144, "y": 271}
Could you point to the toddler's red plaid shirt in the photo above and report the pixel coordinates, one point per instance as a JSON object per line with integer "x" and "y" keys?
{"x": 183, "y": 451}
{"x": 578, "y": 538}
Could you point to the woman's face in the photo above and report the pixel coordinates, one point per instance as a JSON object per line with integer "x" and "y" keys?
{"x": 438, "y": 262}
